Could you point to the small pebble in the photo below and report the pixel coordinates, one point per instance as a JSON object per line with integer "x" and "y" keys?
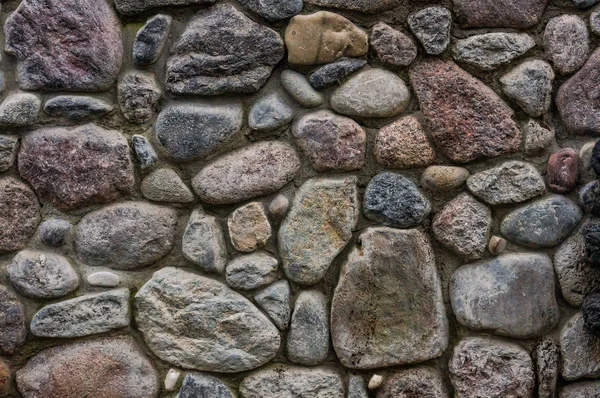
{"x": 165, "y": 185}
{"x": 563, "y": 170}
{"x": 55, "y": 232}
{"x": 270, "y": 112}
{"x": 279, "y": 206}
{"x": 375, "y": 382}
{"x": 76, "y": 107}
{"x": 591, "y": 237}
{"x": 497, "y": 245}
{"x": 139, "y": 96}
{"x": 332, "y": 73}
{"x": 144, "y": 152}
{"x": 103, "y": 279}
{"x": 171, "y": 379}
{"x": 300, "y": 89}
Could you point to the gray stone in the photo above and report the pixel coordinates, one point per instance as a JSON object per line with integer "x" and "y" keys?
{"x": 519, "y": 14}
{"x": 318, "y": 227}
{"x": 392, "y": 46}
{"x": 579, "y": 350}
{"x": 511, "y": 182}
{"x": 144, "y": 151}
{"x": 357, "y": 388}
{"x": 210, "y": 58}
{"x": 113, "y": 367}
{"x": 150, "y": 40}
{"x": 42, "y": 275}
{"x": 537, "y": 138}
{"x": 20, "y": 109}
{"x": 584, "y": 3}
{"x": 195, "y": 322}
{"x": 76, "y": 107}
{"x": 371, "y": 93}
{"x": 387, "y": 308}
{"x": 203, "y": 242}
{"x": 126, "y": 236}
{"x": 83, "y": 316}
{"x": 332, "y": 73}
{"x": 586, "y": 154}
{"x": 595, "y": 21}
{"x": 256, "y": 170}
{"x": 546, "y": 365}
{"x": 308, "y": 338}
{"x": 279, "y": 206}
{"x": 543, "y": 223}
{"x": 464, "y": 226}
{"x": 358, "y": 5}
{"x": 274, "y": 10}
{"x": 103, "y": 279}
{"x": 484, "y": 367}
{"x": 249, "y": 227}
{"x": 299, "y": 88}
{"x": 130, "y": 7}
{"x": 192, "y": 132}
{"x": 510, "y": 295}
{"x": 9, "y": 144}
{"x": 444, "y": 178}
{"x": 530, "y": 85}
{"x": 284, "y": 381}
{"x": 566, "y": 42}
{"x": 165, "y": 185}
{"x": 19, "y": 214}
{"x": 270, "y": 112}
{"x": 583, "y": 389}
{"x": 78, "y": 47}
{"x": 421, "y": 382}
{"x": 589, "y": 197}
{"x": 275, "y": 301}
{"x": 196, "y": 385}
{"x": 432, "y": 27}
{"x": 55, "y": 232}
{"x": 395, "y": 200}
{"x": 12, "y": 321}
{"x": 139, "y": 96}
{"x": 492, "y": 50}
{"x": 251, "y": 271}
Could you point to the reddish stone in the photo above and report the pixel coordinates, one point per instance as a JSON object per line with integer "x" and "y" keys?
{"x": 467, "y": 119}
{"x": 19, "y": 214}
{"x": 499, "y": 14}
{"x": 12, "y": 321}
{"x": 563, "y": 170}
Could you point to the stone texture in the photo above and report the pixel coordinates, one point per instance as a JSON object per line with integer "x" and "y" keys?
{"x": 42, "y": 275}
{"x": 511, "y": 295}
{"x": 299, "y": 88}
{"x": 9, "y": 144}
{"x": 444, "y": 178}
{"x": 76, "y": 107}
{"x": 537, "y": 138}
{"x": 595, "y": 158}
{"x": 467, "y": 119}
{"x": 589, "y": 197}
{"x": 19, "y": 214}
{"x": 563, "y": 170}
{"x": 222, "y": 51}
{"x": 318, "y": 227}
{"x": 20, "y": 109}
{"x": 77, "y": 167}
{"x": 279, "y": 206}
{"x": 422, "y": 382}
{"x": 517, "y": 14}
{"x": 139, "y": 96}
{"x": 591, "y": 312}
{"x": 144, "y": 151}
{"x": 130, "y": 7}
{"x": 492, "y": 50}
{"x": 371, "y": 7}
{"x": 56, "y": 54}
{"x": 387, "y": 308}
{"x": 274, "y": 10}
{"x": 125, "y": 236}
{"x": 330, "y": 141}
{"x": 196, "y": 385}
{"x": 256, "y": 170}
{"x": 251, "y": 271}
{"x": 150, "y": 40}
{"x": 403, "y": 145}
{"x": 195, "y": 322}
{"x": 566, "y": 42}
{"x": 12, "y": 321}
{"x": 484, "y": 367}
{"x": 55, "y": 232}
{"x": 192, "y": 132}
{"x": 595, "y": 21}
{"x": 591, "y": 239}
{"x": 432, "y": 26}
{"x": 323, "y": 37}
{"x": 103, "y": 279}
{"x": 308, "y": 338}
{"x": 530, "y": 85}
{"x": 270, "y": 112}
{"x": 584, "y": 3}
{"x": 83, "y": 316}
{"x": 497, "y": 245}
{"x": 587, "y": 154}
{"x": 249, "y": 227}
{"x": 203, "y": 242}
{"x": 357, "y": 388}
{"x": 464, "y": 226}
{"x": 511, "y": 182}
{"x": 543, "y": 223}
{"x": 165, "y": 185}
{"x": 583, "y": 389}
{"x": 275, "y": 301}
{"x": 392, "y": 46}
{"x": 395, "y": 200}
{"x": 334, "y": 72}
{"x": 5, "y": 378}
{"x": 546, "y": 355}
{"x": 579, "y": 350}
{"x": 371, "y": 93}
{"x": 112, "y": 367}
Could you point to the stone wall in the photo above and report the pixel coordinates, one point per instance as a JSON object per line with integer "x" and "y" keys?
{"x": 278, "y": 199}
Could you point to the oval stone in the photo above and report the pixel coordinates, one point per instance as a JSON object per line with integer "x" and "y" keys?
{"x": 19, "y": 214}
{"x": 12, "y": 321}
{"x": 563, "y": 170}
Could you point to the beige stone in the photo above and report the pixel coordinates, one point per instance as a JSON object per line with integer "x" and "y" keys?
{"x": 249, "y": 227}
{"x": 444, "y": 178}
{"x": 403, "y": 144}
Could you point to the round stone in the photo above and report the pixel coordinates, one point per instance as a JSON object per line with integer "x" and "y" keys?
{"x": 563, "y": 170}
{"x": 150, "y": 40}
{"x": 279, "y": 206}
{"x": 444, "y": 178}
{"x": 249, "y": 227}
{"x": 76, "y": 107}
{"x": 270, "y": 112}
{"x": 566, "y": 42}
{"x": 300, "y": 89}
{"x": 20, "y": 109}
{"x": 55, "y": 232}
{"x": 103, "y": 279}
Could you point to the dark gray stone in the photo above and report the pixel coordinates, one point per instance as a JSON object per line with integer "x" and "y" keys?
{"x": 203, "y": 242}
{"x": 579, "y": 349}
{"x": 274, "y": 10}
{"x": 432, "y": 27}
{"x": 144, "y": 151}
{"x": 12, "y": 321}
{"x": 139, "y": 96}
{"x": 9, "y": 144}
{"x": 584, "y": 3}
{"x": 332, "y": 73}
{"x": 196, "y": 385}
{"x": 20, "y": 109}
{"x": 308, "y": 338}
{"x": 358, "y": 5}
{"x": 591, "y": 239}
{"x": 546, "y": 355}
{"x": 519, "y": 14}
{"x": 150, "y": 40}
{"x": 251, "y": 271}
{"x": 55, "y": 232}
{"x": 275, "y": 301}
{"x": 492, "y": 50}
{"x": 270, "y": 112}
{"x": 130, "y": 7}
{"x": 357, "y": 388}
{"x": 591, "y": 312}
{"x": 595, "y": 160}
{"x": 76, "y": 107}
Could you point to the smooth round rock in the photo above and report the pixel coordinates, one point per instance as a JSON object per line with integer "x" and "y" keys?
{"x": 151, "y": 39}
{"x": 334, "y": 72}
{"x": 19, "y": 214}
{"x": 76, "y": 107}
{"x": 298, "y": 87}
{"x": 279, "y": 206}
{"x": 103, "y": 279}
{"x": 444, "y": 178}
{"x": 270, "y": 112}
{"x": 55, "y": 232}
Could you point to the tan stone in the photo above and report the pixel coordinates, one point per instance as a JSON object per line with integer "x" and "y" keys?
{"x": 403, "y": 144}
{"x": 249, "y": 227}
{"x": 444, "y": 178}
{"x": 323, "y": 37}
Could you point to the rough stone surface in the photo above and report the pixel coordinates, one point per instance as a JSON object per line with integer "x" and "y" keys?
{"x": 579, "y": 350}
{"x": 150, "y": 40}
{"x": 279, "y": 206}
{"x": 9, "y": 144}
{"x": 589, "y": 197}
{"x": 566, "y": 43}
{"x": 492, "y": 14}
{"x": 403, "y": 144}
{"x": 432, "y": 28}
{"x": 256, "y": 170}
{"x": 584, "y": 3}
{"x": 467, "y": 119}
{"x": 595, "y": 21}
{"x": 546, "y": 355}
{"x": 308, "y": 338}
{"x": 76, "y": 107}
{"x": 139, "y": 96}
{"x": 563, "y": 170}
{"x": 318, "y": 227}
{"x": 196, "y": 385}
{"x": 165, "y": 185}
{"x": 77, "y": 167}
{"x": 492, "y": 50}
{"x": 20, "y": 109}
{"x": 144, "y": 151}
{"x": 251, "y": 271}
{"x": 591, "y": 312}
{"x": 334, "y": 72}
{"x": 129, "y": 7}
{"x": 530, "y": 85}
{"x": 422, "y": 382}
{"x": 299, "y": 88}
{"x": 537, "y": 138}
{"x": 357, "y": 388}
{"x": 392, "y": 46}
{"x": 249, "y": 227}
{"x": 330, "y": 141}
{"x": 55, "y": 232}
{"x": 274, "y": 10}
{"x": 583, "y": 389}
{"x": 591, "y": 239}
{"x": 195, "y": 322}
{"x": 125, "y": 236}
{"x": 595, "y": 158}
{"x": 270, "y": 112}
{"x": 358, "y": 5}
{"x": 103, "y": 279}
{"x": 203, "y": 242}
{"x": 19, "y": 214}
{"x": 12, "y": 321}
{"x": 78, "y": 47}
{"x": 444, "y": 178}
{"x": 275, "y": 301}
{"x": 5, "y": 378}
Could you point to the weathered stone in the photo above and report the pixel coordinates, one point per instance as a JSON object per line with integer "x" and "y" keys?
{"x": 422, "y": 382}
{"x": 103, "y": 279}
{"x": 492, "y": 50}
{"x": 150, "y": 40}
{"x": 255, "y": 170}
{"x": 432, "y": 27}
{"x": 357, "y": 388}
{"x": 537, "y": 138}
{"x": 591, "y": 312}
{"x": 104, "y": 368}
{"x": 283, "y": 381}
{"x": 566, "y": 43}
{"x": 270, "y": 112}
{"x": 589, "y": 197}
{"x": 563, "y": 170}
{"x": 165, "y": 185}
{"x": 251, "y": 271}
{"x": 332, "y": 73}
{"x": 222, "y": 51}
{"x": 392, "y": 46}
{"x": 395, "y": 200}
{"x": 139, "y": 96}
{"x": 19, "y": 214}
{"x": 583, "y": 389}
{"x": 279, "y": 206}
{"x": 543, "y": 223}
{"x": 579, "y": 349}
{"x": 530, "y": 85}
{"x": 78, "y": 47}
{"x": 371, "y": 93}
{"x": 595, "y": 158}
{"x": 274, "y": 10}
{"x": 20, "y": 109}
{"x": 591, "y": 239}
{"x": 192, "y": 132}
{"x": 5, "y": 378}
{"x": 194, "y": 322}
{"x": 318, "y": 227}
{"x": 196, "y": 385}
{"x": 323, "y": 37}
{"x": 330, "y": 141}
{"x": 12, "y": 321}
{"x": 511, "y": 295}
{"x": 584, "y": 3}
{"x": 467, "y": 119}
{"x": 76, "y": 107}
{"x": 83, "y": 316}
{"x": 511, "y": 182}
{"x": 77, "y": 167}
{"x": 595, "y": 21}
{"x": 484, "y": 367}
{"x": 126, "y": 236}
{"x": 42, "y": 275}
{"x": 203, "y": 242}
{"x": 497, "y": 245}
{"x": 387, "y": 308}
{"x": 546, "y": 356}
{"x": 129, "y": 7}
{"x": 403, "y": 144}
{"x": 299, "y": 88}
{"x": 308, "y": 338}
{"x": 464, "y": 226}
{"x": 517, "y": 14}
{"x": 9, "y": 144}
{"x": 444, "y": 178}
{"x": 275, "y": 301}
{"x": 144, "y": 151}
{"x": 589, "y": 157}
{"x": 249, "y": 227}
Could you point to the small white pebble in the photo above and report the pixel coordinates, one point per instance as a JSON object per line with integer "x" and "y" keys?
{"x": 171, "y": 379}
{"x": 103, "y": 279}
{"x": 375, "y": 382}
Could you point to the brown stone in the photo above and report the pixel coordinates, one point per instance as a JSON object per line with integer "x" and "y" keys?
{"x": 467, "y": 119}
{"x": 19, "y": 214}
{"x": 403, "y": 144}
{"x": 323, "y": 37}
{"x": 12, "y": 321}
{"x": 392, "y": 46}
{"x": 5, "y": 377}
{"x": 499, "y": 14}
{"x": 563, "y": 170}
{"x": 249, "y": 227}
